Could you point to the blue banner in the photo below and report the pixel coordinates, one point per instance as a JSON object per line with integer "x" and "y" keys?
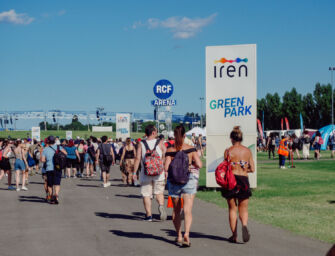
{"x": 301, "y": 123}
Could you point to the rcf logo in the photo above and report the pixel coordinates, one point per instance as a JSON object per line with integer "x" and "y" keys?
{"x": 232, "y": 70}
{"x": 122, "y": 119}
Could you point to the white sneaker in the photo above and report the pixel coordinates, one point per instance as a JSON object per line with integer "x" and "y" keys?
{"x": 18, "y": 189}
{"x": 105, "y": 185}
{"x": 109, "y": 184}
{"x": 284, "y": 167}
{"x": 24, "y": 188}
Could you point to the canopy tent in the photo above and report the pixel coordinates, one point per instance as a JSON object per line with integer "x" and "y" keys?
{"x": 196, "y": 131}
{"x": 325, "y": 131}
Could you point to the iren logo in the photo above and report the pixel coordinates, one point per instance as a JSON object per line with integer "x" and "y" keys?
{"x": 230, "y": 69}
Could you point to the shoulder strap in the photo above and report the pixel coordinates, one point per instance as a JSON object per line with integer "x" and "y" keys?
{"x": 157, "y": 142}
{"x": 146, "y": 145}
{"x": 52, "y": 148}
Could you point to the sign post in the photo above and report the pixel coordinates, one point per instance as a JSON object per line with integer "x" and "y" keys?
{"x": 122, "y": 126}
{"x": 231, "y": 100}
{"x": 36, "y": 133}
{"x": 68, "y": 135}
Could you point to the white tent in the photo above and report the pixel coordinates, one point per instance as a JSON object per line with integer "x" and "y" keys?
{"x": 196, "y": 131}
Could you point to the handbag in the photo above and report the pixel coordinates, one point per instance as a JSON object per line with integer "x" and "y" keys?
{"x": 224, "y": 175}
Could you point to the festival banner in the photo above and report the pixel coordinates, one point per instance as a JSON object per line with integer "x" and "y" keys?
{"x": 231, "y": 93}
{"x": 260, "y": 129}
{"x": 287, "y": 124}
{"x": 122, "y": 126}
{"x": 36, "y": 133}
{"x": 282, "y": 124}
{"x": 301, "y": 123}
{"x": 68, "y": 135}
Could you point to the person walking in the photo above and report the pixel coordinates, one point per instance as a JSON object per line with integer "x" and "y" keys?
{"x": 105, "y": 158}
{"x": 20, "y": 165}
{"x": 242, "y": 163}
{"x": 318, "y": 141}
{"x": 306, "y": 143}
{"x": 72, "y": 159}
{"x": 182, "y": 160}
{"x": 81, "y": 160}
{"x": 90, "y": 159}
{"x": 283, "y": 151}
{"x": 332, "y": 143}
{"x": 271, "y": 145}
{"x": 128, "y": 160}
{"x": 5, "y": 167}
{"x": 53, "y": 176}
{"x": 150, "y": 153}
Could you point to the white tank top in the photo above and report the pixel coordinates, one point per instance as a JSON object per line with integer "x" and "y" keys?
{"x": 151, "y": 144}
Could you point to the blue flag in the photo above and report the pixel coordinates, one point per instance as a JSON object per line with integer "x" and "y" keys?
{"x": 301, "y": 123}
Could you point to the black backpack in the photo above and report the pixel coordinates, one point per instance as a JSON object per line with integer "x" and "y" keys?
{"x": 179, "y": 169}
{"x": 59, "y": 159}
{"x": 91, "y": 152}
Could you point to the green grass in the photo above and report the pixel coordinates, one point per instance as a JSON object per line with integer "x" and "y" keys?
{"x": 61, "y": 134}
{"x": 301, "y": 199}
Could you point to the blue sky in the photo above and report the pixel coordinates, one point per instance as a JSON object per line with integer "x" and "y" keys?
{"x": 77, "y": 55}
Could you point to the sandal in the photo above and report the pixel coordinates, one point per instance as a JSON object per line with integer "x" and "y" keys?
{"x": 178, "y": 242}
{"x": 245, "y": 234}
{"x": 232, "y": 239}
{"x": 186, "y": 244}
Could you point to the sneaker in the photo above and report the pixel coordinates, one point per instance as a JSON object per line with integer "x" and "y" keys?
{"x": 162, "y": 212}
{"x": 149, "y": 219}
{"x": 109, "y": 184}
{"x": 18, "y": 189}
{"x": 11, "y": 188}
{"x": 245, "y": 234}
{"x": 105, "y": 185}
{"x": 24, "y": 188}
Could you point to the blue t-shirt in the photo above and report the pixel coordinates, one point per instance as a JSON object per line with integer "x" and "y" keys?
{"x": 49, "y": 152}
{"x": 71, "y": 152}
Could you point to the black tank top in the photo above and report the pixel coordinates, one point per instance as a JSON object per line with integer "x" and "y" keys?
{"x": 129, "y": 154}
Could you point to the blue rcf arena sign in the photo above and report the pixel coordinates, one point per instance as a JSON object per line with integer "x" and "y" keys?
{"x": 163, "y": 90}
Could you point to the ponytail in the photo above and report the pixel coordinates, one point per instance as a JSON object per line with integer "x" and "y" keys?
{"x": 179, "y": 133}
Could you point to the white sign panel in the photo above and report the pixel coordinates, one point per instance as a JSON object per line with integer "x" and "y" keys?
{"x": 102, "y": 128}
{"x": 122, "y": 126}
{"x": 68, "y": 135}
{"x": 36, "y": 133}
{"x": 231, "y": 97}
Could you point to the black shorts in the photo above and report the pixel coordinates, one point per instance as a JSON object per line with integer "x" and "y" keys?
{"x": 104, "y": 167}
{"x": 54, "y": 178}
{"x": 241, "y": 191}
{"x": 71, "y": 163}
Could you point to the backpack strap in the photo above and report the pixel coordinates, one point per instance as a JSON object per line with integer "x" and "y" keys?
{"x": 145, "y": 143}
{"x": 157, "y": 142}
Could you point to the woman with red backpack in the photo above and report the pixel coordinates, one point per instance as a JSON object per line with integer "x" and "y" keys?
{"x": 182, "y": 164}
{"x": 241, "y": 161}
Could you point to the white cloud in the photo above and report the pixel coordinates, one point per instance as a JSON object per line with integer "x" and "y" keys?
{"x": 180, "y": 27}
{"x": 16, "y": 18}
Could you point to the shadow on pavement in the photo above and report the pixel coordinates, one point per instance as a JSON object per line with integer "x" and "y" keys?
{"x": 331, "y": 201}
{"x": 88, "y": 186}
{"x": 117, "y": 216}
{"x": 140, "y": 235}
{"x": 116, "y": 179}
{"x": 129, "y": 196}
{"x": 34, "y": 182}
{"x": 34, "y": 199}
{"x": 155, "y": 217}
{"x": 173, "y": 233}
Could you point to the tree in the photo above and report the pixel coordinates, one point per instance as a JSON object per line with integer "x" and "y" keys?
{"x": 292, "y": 107}
{"x": 322, "y": 97}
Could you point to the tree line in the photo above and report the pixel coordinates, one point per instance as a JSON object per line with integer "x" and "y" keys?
{"x": 315, "y": 108}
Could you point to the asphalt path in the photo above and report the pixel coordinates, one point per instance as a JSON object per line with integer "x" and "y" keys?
{"x": 91, "y": 220}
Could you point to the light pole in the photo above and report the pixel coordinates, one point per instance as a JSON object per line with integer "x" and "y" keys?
{"x": 201, "y": 99}
{"x": 331, "y": 69}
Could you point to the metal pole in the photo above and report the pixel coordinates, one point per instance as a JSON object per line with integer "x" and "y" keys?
{"x": 201, "y": 120}
{"x": 45, "y": 121}
{"x": 332, "y": 82}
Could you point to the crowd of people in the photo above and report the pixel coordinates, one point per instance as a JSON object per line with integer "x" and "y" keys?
{"x": 153, "y": 163}
{"x": 290, "y": 145}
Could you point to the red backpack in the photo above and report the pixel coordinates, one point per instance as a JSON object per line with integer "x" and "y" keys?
{"x": 1, "y": 153}
{"x": 224, "y": 175}
{"x": 320, "y": 140}
{"x": 153, "y": 163}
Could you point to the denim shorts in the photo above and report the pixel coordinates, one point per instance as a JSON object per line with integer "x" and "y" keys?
{"x": 88, "y": 159}
{"x": 189, "y": 188}
{"x": 19, "y": 165}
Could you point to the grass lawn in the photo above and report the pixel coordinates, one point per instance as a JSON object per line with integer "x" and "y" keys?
{"x": 264, "y": 156}
{"x": 301, "y": 199}
{"x": 61, "y": 134}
